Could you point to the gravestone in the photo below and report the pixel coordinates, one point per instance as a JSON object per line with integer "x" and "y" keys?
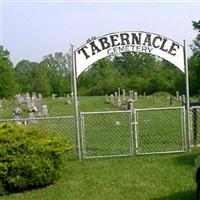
{"x": 18, "y": 99}
{"x": 27, "y": 98}
{"x": 183, "y": 100}
{"x": 123, "y": 95}
{"x": 68, "y": 99}
{"x": 1, "y": 103}
{"x": 115, "y": 98}
{"x": 112, "y": 99}
{"x": 39, "y": 97}
{"x": 53, "y": 96}
{"x": 45, "y": 111}
{"x": 135, "y": 95}
{"x": 107, "y": 99}
{"x": 131, "y": 94}
{"x": 119, "y": 102}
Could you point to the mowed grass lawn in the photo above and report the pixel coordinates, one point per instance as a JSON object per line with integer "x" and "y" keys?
{"x": 155, "y": 177}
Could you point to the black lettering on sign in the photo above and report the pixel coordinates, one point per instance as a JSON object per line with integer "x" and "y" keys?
{"x": 84, "y": 52}
{"x": 173, "y": 49}
{"x": 163, "y": 45}
{"x": 114, "y": 40}
{"x": 124, "y": 38}
{"x": 104, "y": 43}
{"x": 94, "y": 48}
{"x": 154, "y": 41}
{"x": 136, "y": 39}
{"x": 147, "y": 40}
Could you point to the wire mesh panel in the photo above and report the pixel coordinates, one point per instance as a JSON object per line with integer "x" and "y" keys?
{"x": 195, "y": 125}
{"x": 106, "y": 134}
{"x": 63, "y": 126}
{"x": 160, "y": 130}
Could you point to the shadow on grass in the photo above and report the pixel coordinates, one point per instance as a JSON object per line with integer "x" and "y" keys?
{"x": 188, "y": 195}
{"x": 186, "y": 159}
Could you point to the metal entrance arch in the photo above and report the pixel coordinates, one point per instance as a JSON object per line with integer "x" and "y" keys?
{"x": 131, "y": 41}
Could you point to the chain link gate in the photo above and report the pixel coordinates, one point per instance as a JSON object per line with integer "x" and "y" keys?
{"x": 160, "y": 130}
{"x": 125, "y": 133}
{"x": 195, "y": 126}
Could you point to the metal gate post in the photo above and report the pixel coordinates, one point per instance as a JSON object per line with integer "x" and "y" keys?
{"x": 76, "y": 114}
{"x": 187, "y": 106}
{"x": 135, "y": 132}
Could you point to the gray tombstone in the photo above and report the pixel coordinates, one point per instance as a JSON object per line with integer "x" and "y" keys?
{"x": 27, "y": 98}
{"x": 123, "y": 95}
{"x": 131, "y": 94}
{"x": 112, "y": 99}
{"x": 107, "y": 99}
{"x": 119, "y": 102}
{"x": 1, "y": 103}
{"x": 45, "y": 111}
{"x": 135, "y": 95}
{"x": 40, "y": 97}
{"x": 68, "y": 99}
{"x": 53, "y": 96}
{"x": 183, "y": 100}
{"x": 115, "y": 98}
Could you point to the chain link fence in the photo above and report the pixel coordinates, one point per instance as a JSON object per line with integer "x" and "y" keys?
{"x": 143, "y": 131}
{"x": 195, "y": 125}
{"x": 106, "y": 134}
{"x": 122, "y": 133}
{"x": 63, "y": 126}
{"x": 160, "y": 130}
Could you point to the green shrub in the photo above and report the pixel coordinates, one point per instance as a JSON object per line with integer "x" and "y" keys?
{"x": 29, "y": 157}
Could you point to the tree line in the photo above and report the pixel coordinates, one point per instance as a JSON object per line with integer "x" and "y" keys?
{"x": 137, "y": 71}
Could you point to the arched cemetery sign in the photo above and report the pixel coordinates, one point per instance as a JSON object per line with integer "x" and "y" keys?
{"x": 116, "y": 43}
{"x": 129, "y": 41}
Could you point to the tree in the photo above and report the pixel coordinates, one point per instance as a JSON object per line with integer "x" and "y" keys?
{"x": 102, "y": 78}
{"x": 196, "y": 43}
{"x": 8, "y": 86}
{"x": 23, "y": 73}
{"x": 40, "y": 82}
{"x": 194, "y": 62}
{"x": 58, "y": 72}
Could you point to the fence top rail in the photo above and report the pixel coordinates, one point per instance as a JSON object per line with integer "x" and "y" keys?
{"x": 36, "y": 118}
{"x": 161, "y": 108}
{"x": 192, "y": 107}
{"x": 106, "y": 112}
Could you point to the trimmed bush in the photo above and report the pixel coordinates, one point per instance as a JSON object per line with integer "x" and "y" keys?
{"x": 29, "y": 158}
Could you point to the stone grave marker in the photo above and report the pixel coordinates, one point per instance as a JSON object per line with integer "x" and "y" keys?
{"x": 45, "y": 111}
{"x": 112, "y": 99}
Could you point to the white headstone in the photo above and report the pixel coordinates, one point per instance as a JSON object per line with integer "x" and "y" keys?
{"x": 107, "y": 99}
{"x": 68, "y": 99}
{"x": 112, "y": 99}
{"x": 123, "y": 95}
{"x": 135, "y": 95}
{"x": 45, "y": 111}
{"x": 115, "y": 98}
{"x": 131, "y": 94}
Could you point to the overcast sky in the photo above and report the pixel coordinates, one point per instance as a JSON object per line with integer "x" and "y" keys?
{"x": 31, "y": 30}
